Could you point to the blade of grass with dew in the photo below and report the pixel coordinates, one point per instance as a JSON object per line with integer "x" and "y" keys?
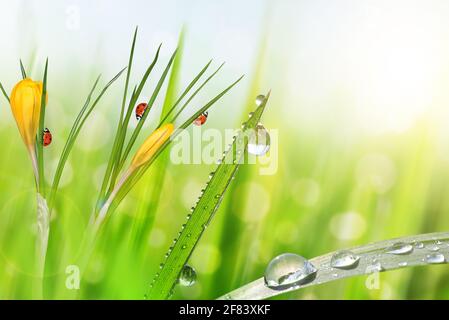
{"x": 138, "y": 174}
{"x": 113, "y": 155}
{"x": 4, "y": 92}
{"x": 150, "y": 103}
{"x": 373, "y": 257}
{"x": 147, "y": 209}
{"x": 22, "y": 70}
{"x": 203, "y": 212}
{"x": 76, "y": 128}
{"x": 39, "y": 139}
{"x": 231, "y": 271}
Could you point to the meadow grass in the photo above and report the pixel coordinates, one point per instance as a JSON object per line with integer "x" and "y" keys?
{"x": 299, "y": 218}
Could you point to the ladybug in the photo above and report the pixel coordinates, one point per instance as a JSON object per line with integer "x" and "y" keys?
{"x": 140, "y": 109}
{"x": 46, "y": 137}
{"x": 201, "y": 119}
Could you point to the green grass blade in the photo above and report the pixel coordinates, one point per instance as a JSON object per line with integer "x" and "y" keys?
{"x": 128, "y": 74}
{"x": 136, "y": 132}
{"x": 40, "y": 142}
{"x": 257, "y": 289}
{"x": 209, "y": 104}
{"x": 136, "y": 94}
{"x": 113, "y": 156}
{"x": 203, "y": 212}
{"x": 22, "y": 69}
{"x": 68, "y": 145}
{"x": 4, "y": 92}
{"x": 76, "y": 128}
{"x": 185, "y": 92}
{"x": 195, "y": 93}
{"x": 232, "y": 272}
{"x": 147, "y": 208}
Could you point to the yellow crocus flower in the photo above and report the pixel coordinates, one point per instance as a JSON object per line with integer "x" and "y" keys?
{"x": 26, "y": 107}
{"x": 146, "y": 151}
{"x": 152, "y": 144}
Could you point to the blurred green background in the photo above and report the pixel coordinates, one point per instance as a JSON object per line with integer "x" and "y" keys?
{"x": 359, "y": 99}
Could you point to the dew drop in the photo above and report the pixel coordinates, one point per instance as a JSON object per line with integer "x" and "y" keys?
{"x": 399, "y": 248}
{"x": 435, "y": 258}
{"x": 183, "y": 246}
{"x": 260, "y": 99}
{"x": 344, "y": 259}
{"x": 419, "y": 245}
{"x": 259, "y": 141}
{"x": 402, "y": 264}
{"x": 288, "y": 270}
{"x": 433, "y": 247}
{"x": 187, "y": 277}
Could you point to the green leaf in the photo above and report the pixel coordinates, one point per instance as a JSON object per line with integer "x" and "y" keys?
{"x": 39, "y": 139}
{"x": 136, "y": 132}
{"x": 122, "y": 135}
{"x": 4, "y": 92}
{"x": 185, "y": 92}
{"x": 146, "y": 212}
{"x": 203, "y": 212}
{"x": 113, "y": 155}
{"x": 22, "y": 69}
{"x": 78, "y": 124}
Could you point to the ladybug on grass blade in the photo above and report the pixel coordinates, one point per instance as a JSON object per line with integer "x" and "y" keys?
{"x": 46, "y": 137}
{"x": 201, "y": 119}
{"x": 140, "y": 109}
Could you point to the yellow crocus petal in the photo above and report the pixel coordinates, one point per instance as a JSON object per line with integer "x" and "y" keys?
{"x": 25, "y": 103}
{"x": 152, "y": 145}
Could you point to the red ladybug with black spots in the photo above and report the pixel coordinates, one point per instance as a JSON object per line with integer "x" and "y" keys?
{"x": 46, "y": 137}
{"x": 201, "y": 119}
{"x": 140, "y": 109}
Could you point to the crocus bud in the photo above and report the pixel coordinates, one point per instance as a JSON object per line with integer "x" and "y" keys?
{"x": 152, "y": 145}
{"x": 26, "y": 107}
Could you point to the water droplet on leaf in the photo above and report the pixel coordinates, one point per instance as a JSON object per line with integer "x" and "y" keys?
{"x": 435, "y": 258}
{"x": 288, "y": 270}
{"x": 187, "y": 277}
{"x": 260, "y": 99}
{"x": 259, "y": 141}
{"x": 344, "y": 259}
{"x": 399, "y": 248}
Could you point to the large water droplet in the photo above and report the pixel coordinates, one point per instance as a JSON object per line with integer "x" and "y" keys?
{"x": 259, "y": 141}
{"x": 187, "y": 277}
{"x": 399, "y": 248}
{"x": 344, "y": 259}
{"x": 288, "y": 270}
{"x": 435, "y": 258}
{"x": 259, "y": 99}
